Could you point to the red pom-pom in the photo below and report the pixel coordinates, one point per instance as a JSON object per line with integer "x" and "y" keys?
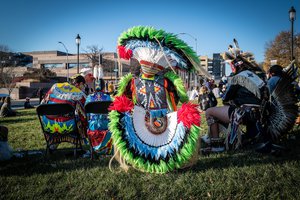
{"x": 124, "y": 53}
{"x": 121, "y": 104}
{"x": 189, "y": 115}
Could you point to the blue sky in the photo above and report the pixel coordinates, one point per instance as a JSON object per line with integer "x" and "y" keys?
{"x": 36, "y": 25}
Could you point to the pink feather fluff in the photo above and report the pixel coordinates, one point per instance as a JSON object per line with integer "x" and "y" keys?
{"x": 121, "y": 104}
{"x": 124, "y": 53}
{"x": 189, "y": 115}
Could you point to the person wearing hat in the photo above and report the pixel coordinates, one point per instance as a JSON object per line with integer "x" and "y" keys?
{"x": 244, "y": 88}
{"x": 248, "y": 101}
{"x": 89, "y": 79}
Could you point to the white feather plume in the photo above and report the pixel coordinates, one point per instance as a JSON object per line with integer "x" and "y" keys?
{"x": 150, "y": 55}
{"x": 95, "y": 72}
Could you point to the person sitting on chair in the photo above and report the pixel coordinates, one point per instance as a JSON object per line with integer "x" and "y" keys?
{"x": 70, "y": 93}
{"x": 241, "y": 90}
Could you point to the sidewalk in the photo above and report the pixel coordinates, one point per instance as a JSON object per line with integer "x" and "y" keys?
{"x": 18, "y": 104}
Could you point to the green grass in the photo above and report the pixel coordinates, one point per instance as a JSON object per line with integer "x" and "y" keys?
{"x": 232, "y": 175}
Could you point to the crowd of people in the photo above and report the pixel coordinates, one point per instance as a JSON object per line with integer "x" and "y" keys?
{"x": 207, "y": 94}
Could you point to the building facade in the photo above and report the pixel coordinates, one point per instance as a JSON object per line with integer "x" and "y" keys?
{"x": 214, "y": 66}
{"x": 62, "y": 63}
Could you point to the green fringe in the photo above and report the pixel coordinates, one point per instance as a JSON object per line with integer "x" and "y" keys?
{"x": 123, "y": 84}
{"x": 177, "y": 161}
{"x": 113, "y": 125}
{"x": 178, "y": 83}
{"x": 170, "y": 40}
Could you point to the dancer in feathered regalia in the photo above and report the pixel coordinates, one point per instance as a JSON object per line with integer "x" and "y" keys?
{"x": 267, "y": 114}
{"x": 148, "y": 129}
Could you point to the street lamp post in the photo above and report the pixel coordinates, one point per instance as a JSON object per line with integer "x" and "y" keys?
{"x": 193, "y": 38}
{"x": 77, "y": 39}
{"x": 189, "y": 76}
{"x": 67, "y": 60}
{"x": 116, "y": 69}
{"x": 292, "y": 13}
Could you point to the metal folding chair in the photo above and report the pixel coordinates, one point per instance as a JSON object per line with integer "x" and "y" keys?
{"x": 56, "y": 134}
{"x": 97, "y": 107}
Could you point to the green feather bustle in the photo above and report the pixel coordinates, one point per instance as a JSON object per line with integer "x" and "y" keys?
{"x": 175, "y": 162}
{"x": 123, "y": 84}
{"x": 178, "y": 83}
{"x": 187, "y": 150}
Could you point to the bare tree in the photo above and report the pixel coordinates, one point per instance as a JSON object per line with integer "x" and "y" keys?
{"x": 4, "y": 48}
{"x": 8, "y": 75}
{"x": 93, "y": 53}
{"x": 7, "y": 68}
{"x": 279, "y": 49}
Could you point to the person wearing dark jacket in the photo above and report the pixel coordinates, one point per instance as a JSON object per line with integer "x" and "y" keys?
{"x": 244, "y": 88}
{"x": 274, "y": 74}
{"x": 27, "y": 103}
{"x": 40, "y": 94}
{"x": 206, "y": 99}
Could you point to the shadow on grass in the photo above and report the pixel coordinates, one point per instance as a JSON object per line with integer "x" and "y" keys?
{"x": 248, "y": 157}
{"x": 59, "y": 160}
{"x": 63, "y": 160}
{"x": 26, "y": 114}
{"x": 17, "y": 120}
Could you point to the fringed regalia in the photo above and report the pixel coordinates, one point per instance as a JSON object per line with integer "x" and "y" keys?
{"x": 65, "y": 93}
{"x": 148, "y": 129}
{"x": 97, "y": 131}
{"x": 266, "y": 114}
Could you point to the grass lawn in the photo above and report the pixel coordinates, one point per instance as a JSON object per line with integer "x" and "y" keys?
{"x": 232, "y": 175}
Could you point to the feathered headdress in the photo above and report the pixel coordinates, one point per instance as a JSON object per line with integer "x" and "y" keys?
{"x": 238, "y": 59}
{"x": 156, "y": 50}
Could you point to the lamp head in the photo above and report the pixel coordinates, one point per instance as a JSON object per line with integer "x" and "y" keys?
{"x": 78, "y": 39}
{"x": 292, "y": 13}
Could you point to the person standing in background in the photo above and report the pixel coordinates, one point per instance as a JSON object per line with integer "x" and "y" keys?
{"x": 111, "y": 88}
